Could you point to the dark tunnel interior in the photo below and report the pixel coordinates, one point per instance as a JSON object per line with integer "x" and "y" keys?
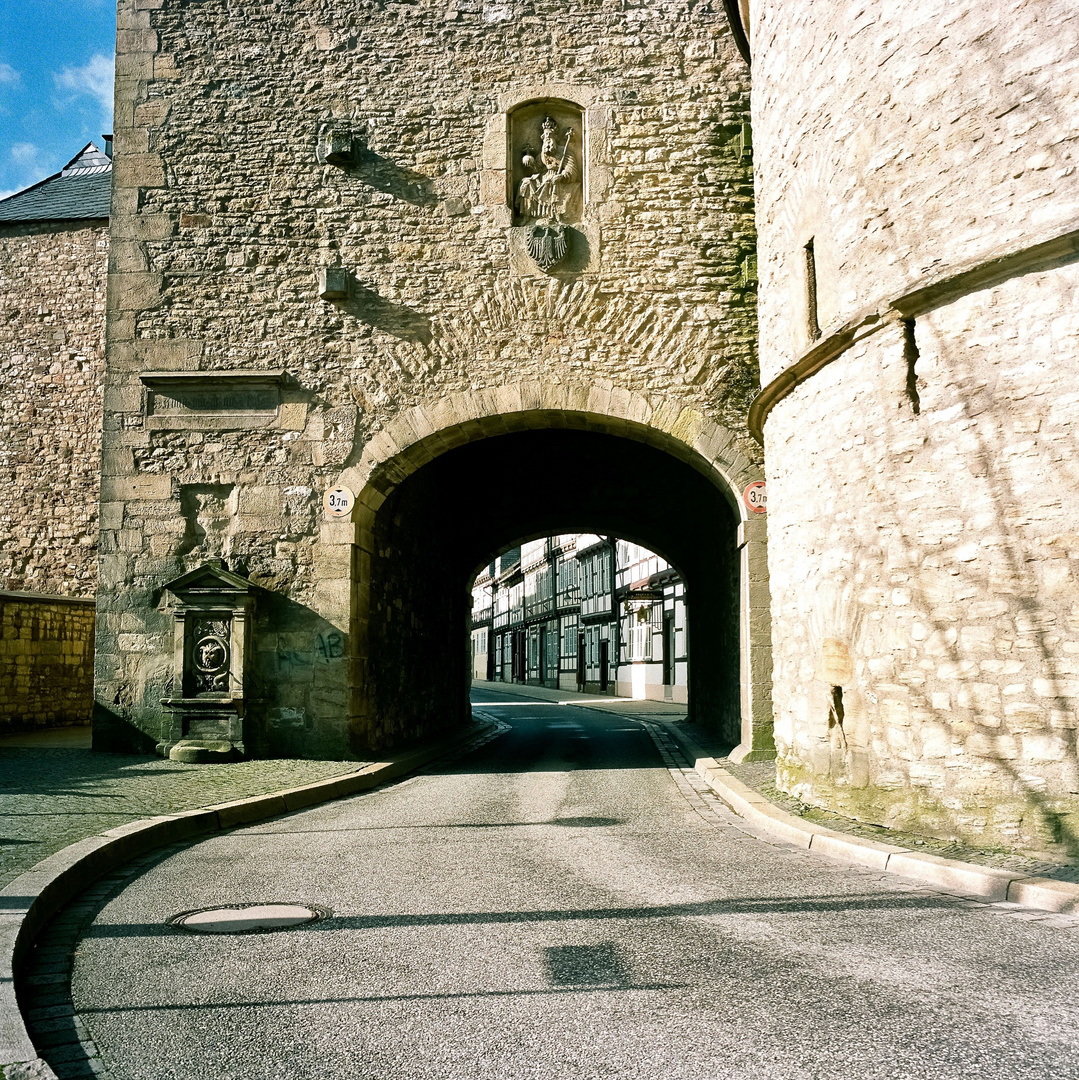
{"x": 441, "y": 523}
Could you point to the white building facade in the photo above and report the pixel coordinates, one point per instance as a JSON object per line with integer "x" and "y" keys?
{"x": 582, "y": 612}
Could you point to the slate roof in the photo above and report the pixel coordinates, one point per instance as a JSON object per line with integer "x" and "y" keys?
{"x": 81, "y": 190}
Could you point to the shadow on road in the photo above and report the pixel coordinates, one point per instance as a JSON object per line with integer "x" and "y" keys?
{"x": 783, "y": 905}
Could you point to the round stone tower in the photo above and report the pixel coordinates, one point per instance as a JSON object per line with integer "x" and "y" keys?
{"x": 917, "y": 206}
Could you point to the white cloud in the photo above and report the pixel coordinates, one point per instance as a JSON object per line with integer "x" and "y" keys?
{"x": 9, "y": 76}
{"x": 93, "y": 78}
{"x": 25, "y": 153}
{"x": 7, "y": 194}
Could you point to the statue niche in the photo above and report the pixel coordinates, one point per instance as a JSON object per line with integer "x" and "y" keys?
{"x": 547, "y": 152}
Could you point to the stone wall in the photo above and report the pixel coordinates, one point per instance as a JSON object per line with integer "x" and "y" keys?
{"x": 52, "y": 332}
{"x": 922, "y": 452}
{"x": 907, "y": 141}
{"x": 223, "y": 216}
{"x": 46, "y": 661}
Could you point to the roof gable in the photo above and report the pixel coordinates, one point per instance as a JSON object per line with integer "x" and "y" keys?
{"x": 82, "y": 190}
{"x": 211, "y": 578}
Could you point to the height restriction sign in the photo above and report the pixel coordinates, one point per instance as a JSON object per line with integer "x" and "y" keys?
{"x": 339, "y": 502}
{"x": 756, "y": 497}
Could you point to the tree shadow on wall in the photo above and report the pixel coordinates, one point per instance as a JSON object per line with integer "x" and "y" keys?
{"x": 904, "y": 232}
{"x": 399, "y": 181}
{"x": 401, "y": 321}
{"x": 1031, "y": 621}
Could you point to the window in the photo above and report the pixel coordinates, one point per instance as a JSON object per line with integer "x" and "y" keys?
{"x": 639, "y": 641}
{"x": 569, "y": 636}
{"x": 569, "y": 591}
{"x": 551, "y": 660}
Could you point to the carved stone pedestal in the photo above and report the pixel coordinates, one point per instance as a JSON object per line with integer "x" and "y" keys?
{"x": 213, "y": 610}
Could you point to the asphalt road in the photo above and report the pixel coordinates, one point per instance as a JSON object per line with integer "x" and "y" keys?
{"x": 559, "y": 904}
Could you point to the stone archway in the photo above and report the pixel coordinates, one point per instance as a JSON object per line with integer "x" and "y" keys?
{"x": 689, "y": 441}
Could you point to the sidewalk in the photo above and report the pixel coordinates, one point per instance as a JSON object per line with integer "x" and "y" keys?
{"x": 760, "y": 776}
{"x": 54, "y": 791}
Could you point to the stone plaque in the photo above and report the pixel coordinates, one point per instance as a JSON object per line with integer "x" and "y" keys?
{"x": 213, "y": 400}
{"x": 179, "y": 401}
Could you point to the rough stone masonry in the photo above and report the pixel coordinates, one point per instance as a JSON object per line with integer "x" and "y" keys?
{"x": 325, "y": 264}
{"x": 52, "y": 359}
{"x": 917, "y": 205}
{"x": 46, "y": 660}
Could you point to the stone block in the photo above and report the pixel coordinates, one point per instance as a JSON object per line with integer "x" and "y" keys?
{"x": 139, "y": 170}
{"x": 131, "y": 141}
{"x": 127, "y": 256}
{"x": 493, "y": 187}
{"x": 981, "y": 881}
{"x": 134, "y": 67}
{"x": 246, "y": 811}
{"x": 111, "y": 515}
{"x": 145, "y": 486}
{"x": 135, "y": 292}
{"x": 124, "y": 399}
{"x": 136, "y": 41}
{"x": 165, "y": 68}
{"x": 854, "y": 849}
{"x": 1045, "y": 894}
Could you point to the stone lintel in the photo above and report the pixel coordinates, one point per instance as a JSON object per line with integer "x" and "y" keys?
{"x": 213, "y": 380}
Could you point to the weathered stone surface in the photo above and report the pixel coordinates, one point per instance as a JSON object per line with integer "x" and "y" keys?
{"x": 437, "y": 308}
{"x": 52, "y": 306}
{"x": 46, "y": 661}
{"x": 877, "y": 135}
{"x": 922, "y": 487}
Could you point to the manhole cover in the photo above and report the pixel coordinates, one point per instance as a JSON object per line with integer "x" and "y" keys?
{"x": 247, "y": 918}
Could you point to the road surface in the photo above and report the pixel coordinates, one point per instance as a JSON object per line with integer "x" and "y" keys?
{"x": 560, "y": 905}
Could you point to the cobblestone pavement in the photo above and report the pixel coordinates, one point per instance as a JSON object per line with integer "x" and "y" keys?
{"x": 50, "y": 798}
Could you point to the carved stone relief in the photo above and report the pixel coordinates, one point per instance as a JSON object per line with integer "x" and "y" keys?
{"x": 547, "y": 177}
{"x": 550, "y": 188}
{"x": 210, "y": 655}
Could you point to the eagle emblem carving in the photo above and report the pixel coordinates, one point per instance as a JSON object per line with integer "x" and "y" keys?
{"x": 547, "y": 244}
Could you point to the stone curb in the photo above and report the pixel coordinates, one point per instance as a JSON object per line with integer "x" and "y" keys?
{"x": 969, "y": 879}
{"x": 32, "y": 899}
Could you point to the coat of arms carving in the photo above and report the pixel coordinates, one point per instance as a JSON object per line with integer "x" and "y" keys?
{"x": 547, "y": 244}
{"x": 549, "y": 192}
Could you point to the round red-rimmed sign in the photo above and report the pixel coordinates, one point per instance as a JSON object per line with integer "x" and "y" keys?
{"x": 756, "y": 497}
{"x": 338, "y": 502}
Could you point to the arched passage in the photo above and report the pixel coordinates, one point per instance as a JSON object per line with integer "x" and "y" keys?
{"x": 439, "y": 523}
{"x": 436, "y": 494}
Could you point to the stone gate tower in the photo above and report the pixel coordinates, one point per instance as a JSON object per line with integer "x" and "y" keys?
{"x": 389, "y": 247}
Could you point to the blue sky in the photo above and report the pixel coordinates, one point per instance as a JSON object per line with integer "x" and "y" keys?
{"x": 56, "y": 59}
